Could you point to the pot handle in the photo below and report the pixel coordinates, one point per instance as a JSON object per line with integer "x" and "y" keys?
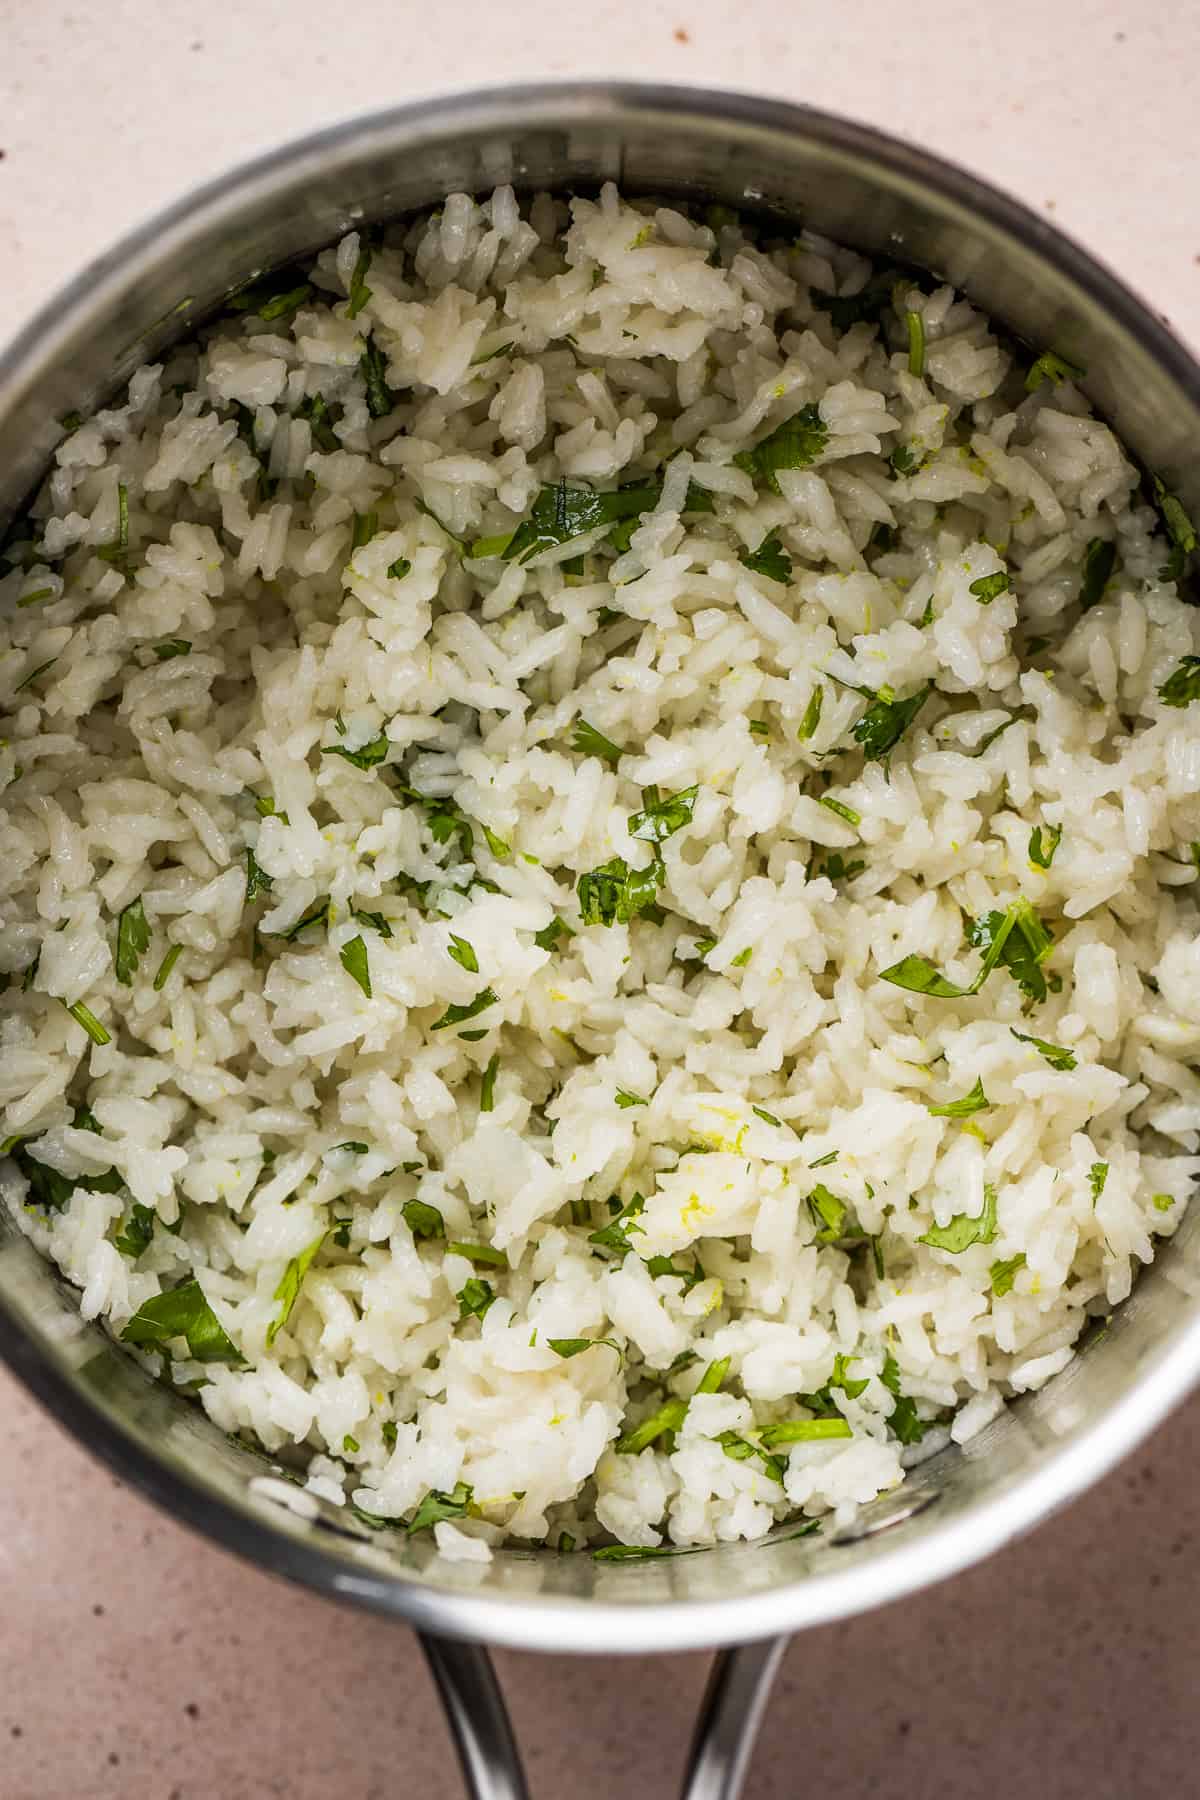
{"x": 730, "y": 1714}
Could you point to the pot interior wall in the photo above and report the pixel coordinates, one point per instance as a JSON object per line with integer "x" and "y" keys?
{"x": 861, "y": 190}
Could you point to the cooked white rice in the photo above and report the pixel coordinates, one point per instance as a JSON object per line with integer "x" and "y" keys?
{"x": 734, "y": 1056}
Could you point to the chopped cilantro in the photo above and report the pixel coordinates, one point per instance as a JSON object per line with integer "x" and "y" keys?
{"x": 963, "y": 1230}
{"x": 1041, "y": 849}
{"x": 375, "y": 920}
{"x": 463, "y": 953}
{"x": 587, "y": 741}
{"x": 568, "y": 1347}
{"x": 482, "y": 1255}
{"x": 83, "y": 1015}
{"x": 822, "y": 1162}
{"x": 317, "y": 914}
{"x": 389, "y": 1433}
{"x": 364, "y": 529}
{"x": 1051, "y": 367}
{"x": 166, "y": 965}
{"x": 975, "y": 1101}
{"x": 1055, "y": 1054}
{"x": 712, "y": 1378}
{"x": 547, "y": 938}
{"x": 118, "y": 549}
{"x": 257, "y": 880}
{"x": 359, "y": 293}
{"x": 182, "y": 1312}
{"x": 42, "y": 593}
{"x": 1015, "y": 938}
{"x": 615, "y": 1553}
{"x": 904, "y": 1422}
{"x": 353, "y": 958}
{"x": 487, "y": 1091}
{"x": 626, "y": 1099}
{"x": 315, "y": 408}
{"x": 458, "y": 1015}
{"x": 615, "y": 893}
{"x": 1097, "y": 1176}
{"x": 1183, "y": 686}
{"x": 496, "y": 844}
{"x": 885, "y": 722}
{"x": 987, "y": 587}
{"x": 762, "y": 1113}
{"x": 436, "y": 1507}
{"x": 366, "y": 757}
{"x": 171, "y": 647}
{"x": 770, "y": 559}
{"x": 804, "y": 1431}
{"x": 133, "y": 936}
{"x": 812, "y": 714}
{"x": 399, "y": 569}
{"x": 288, "y": 1290}
{"x": 474, "y": 1298}
{"x": 350, "y": 1445}
{"x": 740, "y": 1449}
{"x": 137, "y": 1232}
{"x": 272, "y": 298}
{"x": 1163, "y": 1202}
{"x": 669, "y": 1417}
{"x": 423, "y": 1221}
{"x": 1003, "y": 1274}
{"x": 916, "y": 341}
{"x": 561, "y": 513}
{"x": 616, "y": 1234}
{"x": 829, "y": 1214}
{"x": 742, "y": 958}
{"x": 1099, "y": 560}
{"x": 1178, "y": 527}
{"x": 904, "y": 460}
{"x": 663, "y": 815}
{"x": 841, "y": 809}
{"x": 373, "y": 368}
{"x": 796, "y": 444}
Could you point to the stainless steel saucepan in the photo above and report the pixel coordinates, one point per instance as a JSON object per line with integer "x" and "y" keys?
{"x": 862, "y": 189}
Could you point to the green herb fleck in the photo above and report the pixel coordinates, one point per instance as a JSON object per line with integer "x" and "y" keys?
{"x": 457, "y": 1015}
{"x": 614, "y": 893}
{"x": 166, "y": 965}
{"x": 463, "y": 953}
{"x": 138, "y": 1230}
{"x": 963, "y": 1231}
{"x": 366, "y": 757}
{"x": 626, "y": 1099}
{"x": 812, "y": 714}
{"x": 1003, "y": 1274}
{"x": 975, "y": 1101}
{"x": 841, "y": 809}
{"x": 616, "y": 1234}
{"x": 762, "y": 1113}
{"x": 1183, "y": 686}
{"x": 474, "y": 1298}
{"x": 796, "y": 444}
{"x": 423, "y": 1221}
{"x": 1097, "y": 1176}
{"x": 1055, "y": 1054}
{"x": 804, "y": 1431}
{"x": 436, "y": 1507}
{"x": 916, "y": 341}
{"x": 359, "y": 293}
{"x": 1051, "y": 367}
{"x": 399, "y": 569}
{"x": 587, "y": 741}
{"x": 83, "y": 1015}
{"x": 373, "y": 368}
{"x": 182, "y": 1312}
{"x": 170, "y": 648}
{"x": 987, "y": 587}
{"x": 663, "y": 815}
{"x": 770, "y": 559}
{"x": 133, "y": 936}
{"x": 1099, "y": 560}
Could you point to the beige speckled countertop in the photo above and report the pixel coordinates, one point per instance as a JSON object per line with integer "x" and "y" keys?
{"x": 135, "y": 1660}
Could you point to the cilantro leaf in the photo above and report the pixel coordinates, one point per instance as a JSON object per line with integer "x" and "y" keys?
{"x": 769, "y": 1117}
{"x": 436, "y": 1507}
{"x": 399, "y": 569}
{"x": 587, "y": 741}
{"x": 625, "y": 1099}
{"x": 663, "y": 815}
{"x": 796, "y": 444}
{"x": 487, "y": 1090}
{"x": 1055, "y": 1054}
{"x": 463, "y": 953}
{"x": 561, "y": 513}
{"x": 474, "y": 1298}
{"x": 963, "y": 1231}
{"x": 137, "y": 1232}
{"x": 182, "y": 1312}
{"x": 359, "y": 293}
{"x": 886, "y": 720}
{"x": 133, "y": 936}
{"x": 770, "y": 559}
{"x": 614, "y": 893}
{"x": 1003, "y": 1274}
{"x": 166, "y": 965}
{"x": 1097, "y": 1176}
{"x": 274, "y": 297}
{"x": 987, "y": 587}
{"x": 375, "y": 920}
{"x": 829, "y": 1214}
{"x": 905, "y": 1422}
{"x": 547, "y": 938}
{"x": 171, "y": 647}
{"x": 317, "y": 914}
{"x": 975, "y": 1101}
{"x": 50, "y": 1190}
{"x": 84, "y": 1016}
{"x": 1183, "y": 685}
{"x": 919, "y": 976}
{"x": 458, "y": 1014}
{"x": 568, "y": 1347}
{"x": 423, "y": 1221}
{"x": 366, "y": 757}
{"x": 353, "y": 958}
{"x": 288, "y": 1291}
{"x": 1178, "y": 527}
{"x": 315, "y": 408}
{"x": 616, "y": 1234}
{"x": 916, "y": 340}
{"x": 1041, "y": 850}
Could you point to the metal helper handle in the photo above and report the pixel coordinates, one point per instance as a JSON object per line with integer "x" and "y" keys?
{"x": 726, "y": 1727}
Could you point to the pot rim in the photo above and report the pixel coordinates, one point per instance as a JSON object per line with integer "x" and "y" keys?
{"x": 542, "y": 1622}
